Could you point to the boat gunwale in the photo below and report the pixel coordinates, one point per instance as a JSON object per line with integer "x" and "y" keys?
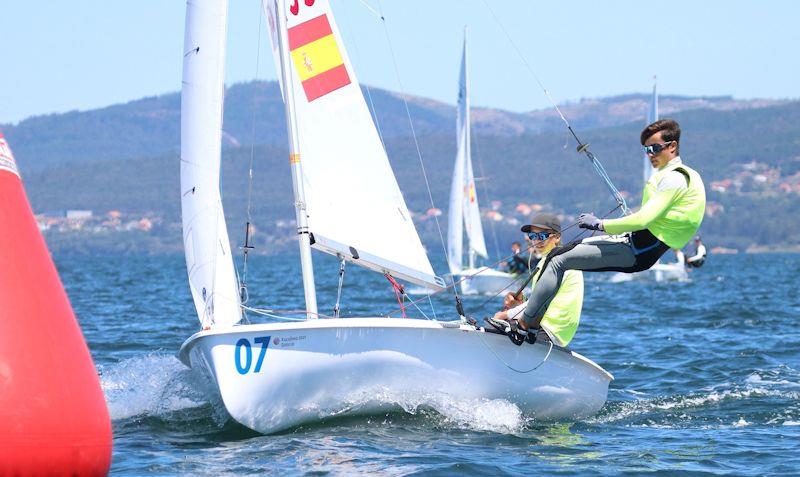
{"x": 361, "y": 322}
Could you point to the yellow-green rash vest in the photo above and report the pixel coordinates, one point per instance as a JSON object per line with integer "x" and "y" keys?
{"x": 563, "y": 315}
{"x": 673, "y": 215}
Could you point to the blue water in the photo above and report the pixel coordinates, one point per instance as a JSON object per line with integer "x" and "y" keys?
{"x": 707, "y": 380}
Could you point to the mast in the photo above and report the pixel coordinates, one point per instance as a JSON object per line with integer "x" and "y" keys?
{"x": 652, "y": 117}
{"x": 304, "y": 238}
{"x": 471, "y": 208}
{"x": 467, "y": 150}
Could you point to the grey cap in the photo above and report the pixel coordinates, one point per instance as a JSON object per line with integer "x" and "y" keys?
{"x": 543, "y": 221}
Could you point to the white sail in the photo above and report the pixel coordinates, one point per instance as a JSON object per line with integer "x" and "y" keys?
{"x": 205, "y": 237}
{"x": 463, "y": 195}
{"x": 353, "y": 204}
{"x": 652, "y": 116}
{"x": 472, "y": 213}
{"x": 455, "y": 213}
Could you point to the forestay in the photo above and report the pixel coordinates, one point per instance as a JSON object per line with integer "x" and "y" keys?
{"x": 353, "y": 203}
{"x": 205, "y": 237}
{"x": 463, "y": 197}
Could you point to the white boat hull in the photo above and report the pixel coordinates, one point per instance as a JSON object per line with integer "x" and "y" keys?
{"x": 302, "y": 372}
{"x": 484, "y": 281}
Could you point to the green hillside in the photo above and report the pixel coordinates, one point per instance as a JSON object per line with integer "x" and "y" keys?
{"x": 254, "y": 115}
{"x": 541, "y": 168}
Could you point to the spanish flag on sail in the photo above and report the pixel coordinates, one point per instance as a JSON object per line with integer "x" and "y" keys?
{"x": 316, "y": 57}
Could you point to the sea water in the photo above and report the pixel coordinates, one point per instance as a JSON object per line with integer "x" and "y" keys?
{"x": 707, "y": 379}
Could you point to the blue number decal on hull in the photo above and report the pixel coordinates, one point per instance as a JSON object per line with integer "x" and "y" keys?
{"x": 244, "y": 343}
{"x": 264, "y": 342}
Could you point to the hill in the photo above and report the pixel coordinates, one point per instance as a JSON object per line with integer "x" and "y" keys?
{"x": 151, "y": 126}
{"x": 747, "y": 156}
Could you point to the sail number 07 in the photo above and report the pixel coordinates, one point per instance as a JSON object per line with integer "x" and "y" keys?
{"x": 243, "y": 347}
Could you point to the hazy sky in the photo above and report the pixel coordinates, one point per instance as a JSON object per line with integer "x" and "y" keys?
{"x": 64, "y": 55}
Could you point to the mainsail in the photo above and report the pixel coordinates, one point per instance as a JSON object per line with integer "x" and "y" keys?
{"x": 353, "y": 205}
{"x": 652, "y": 116}
{"x": 463, "y": 196}
{"x": 205, "y": 237}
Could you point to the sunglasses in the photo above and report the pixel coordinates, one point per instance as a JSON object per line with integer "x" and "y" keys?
{"x": 534, "y": 236}
{"x": 654, "y": 149}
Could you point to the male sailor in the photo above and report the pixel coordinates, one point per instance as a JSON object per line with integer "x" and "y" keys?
{"x": 699, "y": 258}
{"x": 560, "y": 320}
{"x": 518, "y": 263}
{"x": 673, "y": 205}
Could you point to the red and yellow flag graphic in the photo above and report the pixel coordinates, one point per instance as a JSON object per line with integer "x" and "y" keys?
{"x": 316, "y": 57}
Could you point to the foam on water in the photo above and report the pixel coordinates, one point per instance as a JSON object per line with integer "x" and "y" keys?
{"x": 150, "y": 385}
{"x": 444, "y": 410}
{"x": 495, "y": 415}
{"x": 159, "y": 384}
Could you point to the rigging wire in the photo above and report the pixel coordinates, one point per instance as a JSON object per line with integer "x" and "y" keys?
{"x": 416, "y": 142}
{"x": 339, "y": 288}
{"x": 582, "y": 147}
{"x": 243, "y": 293}
{"x": 371, "y": 106}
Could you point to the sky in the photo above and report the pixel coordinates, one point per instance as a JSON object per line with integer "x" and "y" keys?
{"x": 60, "y": 56}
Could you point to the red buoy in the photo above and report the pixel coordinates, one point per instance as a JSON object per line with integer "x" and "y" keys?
{"x": 53, "y": 415}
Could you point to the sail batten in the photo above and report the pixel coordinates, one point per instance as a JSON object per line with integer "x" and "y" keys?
{"x": 350, "y": 194}
{"x": 212, "y": 278}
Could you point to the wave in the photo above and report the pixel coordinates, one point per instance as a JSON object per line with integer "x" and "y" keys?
{"x": 151, "y": 385}
{"x": 757, "y": 388}
{"x": 494, "y": 415}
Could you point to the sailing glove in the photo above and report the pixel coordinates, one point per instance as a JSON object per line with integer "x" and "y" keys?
{"x": 589, "y": 221}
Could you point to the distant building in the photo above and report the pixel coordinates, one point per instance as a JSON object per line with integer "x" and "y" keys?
{"x": 433, "y": 212}
{"x": 79, "y": 214}
{"x": 494, "y": 215}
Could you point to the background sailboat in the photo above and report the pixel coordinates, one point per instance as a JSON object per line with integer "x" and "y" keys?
{"x": 464, "y": 216}
{"x": 271, "y": 376}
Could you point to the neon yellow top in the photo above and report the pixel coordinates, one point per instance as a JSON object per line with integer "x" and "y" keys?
{"x": 564, "y": 312}
{"x": 672, "y": 210}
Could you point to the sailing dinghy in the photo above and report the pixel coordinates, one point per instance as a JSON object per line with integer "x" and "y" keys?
{"x": 464, "y": 215}
{"x": 274, "y": 376}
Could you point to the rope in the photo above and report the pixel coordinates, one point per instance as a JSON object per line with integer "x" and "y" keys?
{"x": 582, "y": 147}
{"x": 399, "y": 293}
{"x": 508, "y": 365}
{"x": 271, "y": 313}
{"x": 414, "y": 135}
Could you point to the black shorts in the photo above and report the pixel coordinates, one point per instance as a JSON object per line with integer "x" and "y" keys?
{"x": 647, "y": 249}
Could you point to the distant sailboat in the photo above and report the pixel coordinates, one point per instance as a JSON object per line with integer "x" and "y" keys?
{"x": 464, "y": 215}
{"x": 273, "y": 376}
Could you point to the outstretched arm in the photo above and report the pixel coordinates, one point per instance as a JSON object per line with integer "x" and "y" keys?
{"x": 653, "y": 209}
{"x": 667, "y": 192}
